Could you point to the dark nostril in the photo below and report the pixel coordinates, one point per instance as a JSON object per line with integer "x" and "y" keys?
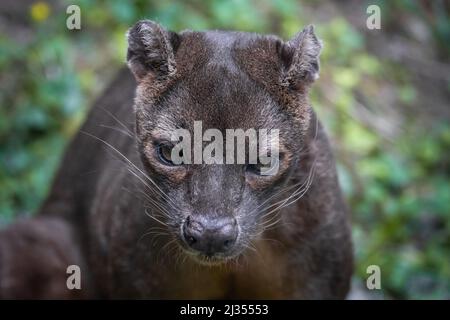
{"x": 227, "y": 243}
{"x": 191, "y": 240}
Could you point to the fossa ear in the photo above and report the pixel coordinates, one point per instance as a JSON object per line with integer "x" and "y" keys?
{"x": 151, "y": 50}
{"x": 300, "y": 57}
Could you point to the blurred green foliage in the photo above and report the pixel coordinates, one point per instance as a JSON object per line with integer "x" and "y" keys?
{"x": 396, "y": 180}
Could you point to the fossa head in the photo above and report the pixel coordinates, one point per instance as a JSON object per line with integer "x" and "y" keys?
{"x": 223, "y": 80}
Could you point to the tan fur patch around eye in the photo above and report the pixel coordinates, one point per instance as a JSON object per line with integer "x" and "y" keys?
{"x": 258, "y": 182}
{"x": 175, "y": 174}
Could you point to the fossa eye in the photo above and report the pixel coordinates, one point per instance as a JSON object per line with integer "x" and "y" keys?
{"x": 254, "y": 168}
{"x": 164, "y": 153}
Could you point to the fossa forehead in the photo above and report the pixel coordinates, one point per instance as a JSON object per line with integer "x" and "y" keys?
{"x": 213, "y": 88}
{"x": 218, "y": 105}
{"x": 221, "y": 48}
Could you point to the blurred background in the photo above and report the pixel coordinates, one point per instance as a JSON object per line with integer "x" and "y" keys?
{"x": 383, "y": 96}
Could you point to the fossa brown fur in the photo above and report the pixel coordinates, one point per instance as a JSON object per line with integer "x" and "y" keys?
{"x": 106, "y": 214}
